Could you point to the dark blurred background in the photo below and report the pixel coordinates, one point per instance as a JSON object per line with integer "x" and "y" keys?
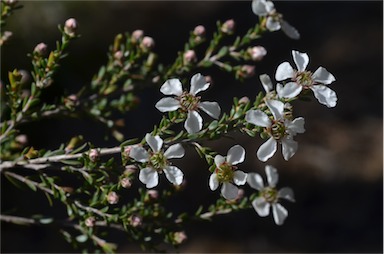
{"x": 337, "y": 173}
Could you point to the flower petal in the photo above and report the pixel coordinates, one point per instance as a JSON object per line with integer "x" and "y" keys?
{"x": 194, "y": 122}
{"x": 255, "y": 181}
{"x": 284, "y": 71}
{"x": 289, "y": 147}
{"x": 262, "y": 7}
{"x": 261, "y": 206}
{"x": 239, "y": 177}
{"x": 272, "y": 175}
{"x": 138, "y": 153}
{"x": 289, "y": 30}
{"x": 211, "y": 108}
{"x": 155, "y": 142}
{"x": 301, "y": 60}
{"x": 198, "y": 84}
{"x": 325, "y": 95}
{"x": 174, "y": 151}
{"x": 295, "y": 126}
{"x": 167, "y": 104}
{"x": 290, "y": 90}
{"x": 236, "y": 155}
{"x": 273, "y": 24}
{"x": 279, "y": 213}
{"x": 322, "y": 76}
{"x": 229, "y": 191}
{"x": 173, "y": 174}
{"x": 286, "y": 193}
{"x": 219, "y": 160}
{"x": 276, "y": 108}
{"x": 266, "y": 82}
{"x": 149, "y": 177}
{"x": 258, "y": 118}
{"x": 172, "y": 87}
{"x": 213, "y": 182}
{"x": 267, "y": 150}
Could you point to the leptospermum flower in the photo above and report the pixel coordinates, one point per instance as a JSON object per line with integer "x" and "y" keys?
{"x": 280, "y": 130}
{"x": 269, "y": 196}
{"x": 275, "y": 21}
{"x": 303, "y": 79}
{"x": 188, "y": 101}
{"x": 226, "y": 172}
{"x": 157, "y": 161}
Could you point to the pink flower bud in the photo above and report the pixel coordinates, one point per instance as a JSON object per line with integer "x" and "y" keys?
{"x": 94, "y": 154}
{"x": 90, "y": 221}
{"x": 199, "y": 31}
{"x": 246, "y": 71}
{"x": 22, "y": 139}
{"x": 118, "y": 55}
{"x": 257, "y": 53}
{"x": 153, "y": 194}
{"x": 112, "y": 198}
{"x": 179, "y": 237}
{"x": 137, "y": 35}
{"x": 70, "y": 27}
{"x": 130, "y": 169}
{"x": 41, "y": 49}
{"x": 126, "y": 182}
{"x": 244, "y": 100}
{"x": 228, "y": 27}
{"x": 190, "y": 57}
{"x": 135, "y": 221}
{"x": 147, "y": 43}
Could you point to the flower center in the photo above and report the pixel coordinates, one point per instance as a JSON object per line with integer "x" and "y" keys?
{"x": 304, "y": 78}
{"x": 188, "y": 101}
{"x": 225, "y": 172}
{"x": 269, "y": 194}
{"x": 158, "y": 161}
{"x": 277, "y": 130}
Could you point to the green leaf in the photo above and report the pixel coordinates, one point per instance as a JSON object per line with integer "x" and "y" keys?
{"x": 81, "y": 238}
{"x": 72, "y": 162}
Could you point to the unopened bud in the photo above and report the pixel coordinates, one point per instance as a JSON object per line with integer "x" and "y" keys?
{"x": 147, "y": 43}
{"x": 70, "y": 27}
{"x": 228, "y": 27}
{"x": 130, "y": 169}
{"x": 209, "y": 80}
{"x": 137, "y": 35}
{"x": 199, "y": 31}
{"x": 112, "y": 198}
{"x": 257, "y": 53}
{"x": 179, "y": 237}
{"x": 41, "y": 49}
{"x": 118, "y": 55}
{"x": 90, "y": 221}
{"x": 246, "y": 71}
{"x": 244, "y": 100}
{"x": 22, "y": 139}
{"x": 125, "y": 183}
{"x": 5, "y": 37}
{"x": 135, "y": 221}
{"x": 190, "y": 57}
{"x": 94, "y": 154}
{"x": 153, "y": 194}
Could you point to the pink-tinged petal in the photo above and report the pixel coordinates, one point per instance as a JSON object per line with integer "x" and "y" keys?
{"x": 194, "y": 122}
{"x": 262, "y": 7}
{"x": 286, "y": 193}
{"x": 266, "y": 82}
{"x": 289, "y": 147}
{"x": 173, "y": 174}
{"x": 258, "y": 118}
{"x": 239, "y": 177}
{"x": 155, "y": 142}
{"x": 213, "y": 182}
{"x": 301, "y": 60}
{"x": 211, "y": 108}
{"x": 279, "y": 213}
{"x": 149, "y": 177}
{"x": 219, "y": 160}
{"x": 267, "y": 150}
{"x": 236, "y": 155}
{"x": 295, "y": 126}
{"x": 198, "y": 84}
{"x": 174, "y": 151}
{"x": 273, "y": 24}
{"x": 272, "y": 175}
{"x": 167, "y": 104}
{"x": 229, "y": 191}
{"x": 325, "y": 95}
{"x": 289, "y": 30}
{"x": 290, "y": 90}
{"x": 284, "y": 71}
{"x": 261, "y": 206}
{"x": 276, "y": 108}
{"x": 172, "y": 87}
{"x": 255, "y": 181}
{"x": 322, "y": 76}
{"x": 139, "y": 154}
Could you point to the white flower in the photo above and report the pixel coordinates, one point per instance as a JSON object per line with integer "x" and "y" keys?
{"x": 303, "y": 79}
{"x": 280, "y": 130}
{"x": 275, "y": 21}
{"x": 269, "y": 195}
{"x": 188, "y": 101}
{"x": 227, "y": 174}
{"x": 157, "y": 161}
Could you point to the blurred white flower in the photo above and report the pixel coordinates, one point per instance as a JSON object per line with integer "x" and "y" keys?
{"x": 269, "y": 196}
{"x": 303, "y": 79}
{"x": 188, "y": 101}
{"x": 227, "y": 174}
{"x": 157, "y": 161}
{"x": 280, "y": 130}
